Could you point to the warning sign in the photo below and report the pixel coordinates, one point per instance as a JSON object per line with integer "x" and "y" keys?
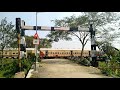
{"x": 36, "y": 41}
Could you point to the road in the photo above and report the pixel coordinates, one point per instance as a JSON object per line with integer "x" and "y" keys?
{"x": 63, "y": 68}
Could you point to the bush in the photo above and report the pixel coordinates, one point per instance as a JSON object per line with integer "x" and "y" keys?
{"x": 8, "y": 70}
{"x": 31, "y": 56}
{"x": 9, "y": 67}
{"x": 26, "y": 65}
{"x": 82, "y": 61}
{"x": 110, "y": 69}
{"x": 85, "y": 62}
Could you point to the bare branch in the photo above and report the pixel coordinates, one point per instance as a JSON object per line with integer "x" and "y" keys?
{"x": 85, "y": 37}
{"x": 84, "y": 34}
{"x": 80, "y": 34}
{"x": 78, "y": 37}
{"x": 86, "y": 41}
{"x": 75, "y": 35}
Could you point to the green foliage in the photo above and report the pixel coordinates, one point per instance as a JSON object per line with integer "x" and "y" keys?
{"x": 31, "y": 56}
{"x": 9, "y": 67}
{"x": 7, "y": 34}
{"x": 82, "y": 61}
{"x": 108, "y": 49}
{"x": 99, "y": 19}
{"x": 26, "y": 65}
{"x": 29, "y": 41}
{"x": 104, "y": 68}
{"x": 44, "y": 43}
{"x": 117, "y": 57}
{"x": 111, "y": 68}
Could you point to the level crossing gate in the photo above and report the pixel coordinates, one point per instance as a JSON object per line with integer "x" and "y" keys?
{"x": 21, "y": 27}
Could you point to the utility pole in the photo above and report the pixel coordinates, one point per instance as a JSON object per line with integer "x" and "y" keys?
{"x": 36, "y": 45}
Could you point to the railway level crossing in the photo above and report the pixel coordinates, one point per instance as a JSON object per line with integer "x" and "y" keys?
{"x": 21, "y": 27}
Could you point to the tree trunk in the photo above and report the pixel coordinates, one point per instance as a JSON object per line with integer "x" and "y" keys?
{"x": 2, "y": 58}
{"x": 2, "y": 53}
{"x": 81, "y": 56}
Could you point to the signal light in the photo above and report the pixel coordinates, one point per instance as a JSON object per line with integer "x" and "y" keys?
{"x": 18, "y": 24}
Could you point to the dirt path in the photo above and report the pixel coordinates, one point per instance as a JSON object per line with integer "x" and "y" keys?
{"x": 63, "y": 68}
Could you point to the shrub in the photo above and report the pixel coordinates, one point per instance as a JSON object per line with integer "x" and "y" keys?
{"x": 9, "y": 67}
{"x": 110, "y": 69}
{"x": 8, "y": 70}
{"x": 26, "y": 65}
{"x": 85, "y": 62}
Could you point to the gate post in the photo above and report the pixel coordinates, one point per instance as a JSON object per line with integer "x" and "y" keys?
{"x": 93, "y": 47}
{"x": 23, "y": 43}
{"x": 18, "y": 28}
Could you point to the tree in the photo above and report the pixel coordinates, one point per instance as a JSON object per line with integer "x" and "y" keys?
{"x": 99, "y": 19}
{"x": 108, "y": 49}
{"x": 29, "y": 41}
{"x": 7, "y": 34}
{"x": 44, "y": 43}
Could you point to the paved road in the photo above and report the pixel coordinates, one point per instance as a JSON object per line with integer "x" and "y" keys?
{"x": 63, "y": 68}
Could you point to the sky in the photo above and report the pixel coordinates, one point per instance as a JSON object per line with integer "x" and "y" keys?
{"x": 44, "y": 19}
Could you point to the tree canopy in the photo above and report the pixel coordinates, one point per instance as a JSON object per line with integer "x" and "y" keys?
{"x": 7, "y": 34}
{"x": 99, "y": 19}
{"x": 44, "y": 43}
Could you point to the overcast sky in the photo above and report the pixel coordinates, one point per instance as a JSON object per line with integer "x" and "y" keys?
{"x": 44, "y": 19}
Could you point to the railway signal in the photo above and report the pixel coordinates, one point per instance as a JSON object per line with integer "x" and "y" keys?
{"x": 18, "y": 25}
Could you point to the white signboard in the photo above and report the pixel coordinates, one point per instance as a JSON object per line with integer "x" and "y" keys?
{"x": 21, "y": 54}
{"x": 36, "y": 41}
{"x": 22, "y": 41}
